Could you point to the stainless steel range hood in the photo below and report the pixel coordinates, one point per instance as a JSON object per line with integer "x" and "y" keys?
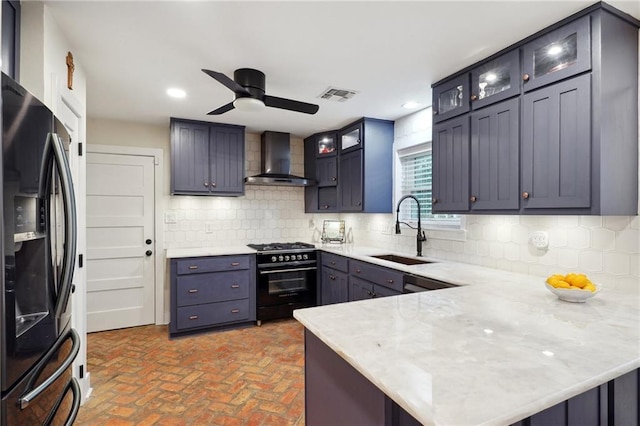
{"x": 275, "y": 162}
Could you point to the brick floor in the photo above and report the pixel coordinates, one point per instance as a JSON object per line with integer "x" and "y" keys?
{"x": 250, "y": 376}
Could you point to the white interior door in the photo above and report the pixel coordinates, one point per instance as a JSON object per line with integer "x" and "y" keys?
{"x": 120, "y": 241}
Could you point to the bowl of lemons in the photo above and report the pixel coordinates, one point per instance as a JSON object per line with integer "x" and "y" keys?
{"x": 572, "y": 287}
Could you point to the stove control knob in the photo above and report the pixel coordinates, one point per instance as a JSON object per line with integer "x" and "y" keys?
{"x": 280, "y": 258}
{"x": 305, "y": 256}
{"x": 274, "y": 259}
{"x": 299, "y": 257}
{"x": 286, "y": 258}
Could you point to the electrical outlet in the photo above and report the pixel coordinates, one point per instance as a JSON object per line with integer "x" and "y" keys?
{"x": 312, "y": 224}
{"x": 170, "y": 217}
{"x": 208, "y": 228}
{"x": 540, "y": 239}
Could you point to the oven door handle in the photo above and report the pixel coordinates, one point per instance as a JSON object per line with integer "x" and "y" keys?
{"x": 276, "y": 271}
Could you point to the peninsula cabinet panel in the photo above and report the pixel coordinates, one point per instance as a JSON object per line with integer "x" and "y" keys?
{"x": 495, "y": 143}
{"x": 556, "y": 146}
{"x": 450, "y": 148}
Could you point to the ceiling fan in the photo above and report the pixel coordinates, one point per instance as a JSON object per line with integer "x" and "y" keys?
{"x": 249, "y": 88}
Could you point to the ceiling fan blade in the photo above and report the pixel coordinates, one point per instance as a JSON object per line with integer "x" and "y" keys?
{"x": 226, "y": 81}
{"x": 222, "y": 109}
{"x": 291, "y": 105}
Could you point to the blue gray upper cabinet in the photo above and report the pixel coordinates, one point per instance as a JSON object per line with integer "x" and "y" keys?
{"x": 451, "y": 98}
{"x": 450, "y": 173}
{"x": 206, "y": 158}
{"x": 576, "y": 132}
{"x": 556, "y": 146}
{"x": 362, "y": 162}
{"x": 557, "y": 55}
{"x": 495, "y": 155}
{"x": 496, "y": 80}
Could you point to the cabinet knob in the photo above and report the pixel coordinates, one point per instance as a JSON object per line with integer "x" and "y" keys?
{"x": 193, "y": 317}
{"x": 193, "y": 267}
{"x": 235, "y": 285}
{"x": 332, "y": 277}
{"x": 193, "y": 290}
{"x": 148, "y": 241}
{"x": 213, "y": 184}
{"x": 325, "y": 207}
{"x": 434, "y": 201}
{"x": 435, "y": 112}
{"x": 369, "y": 293}
{"x": 525, "y": 77}
{"x": 206, "y": 184}
{"x": 148, "y": 253}
{"x": 474, "y": 97}
{"x": 235, "y": 263}
{"x": 332, "y": 262}
{"x": 358, "y": 271}
{"x": 334, "y": 179}
{"x": 525, "y": 195}
{"x": 235, "y": 311}
{"x": 390, "y": 281}
{"x": 473, "y": 199}
{"x": 359, "y": 203}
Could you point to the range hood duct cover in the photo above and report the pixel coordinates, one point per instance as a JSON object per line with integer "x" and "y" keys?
{"x": 275, "y": 162}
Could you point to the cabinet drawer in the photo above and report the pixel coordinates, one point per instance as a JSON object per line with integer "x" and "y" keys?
{"x": 212, "y": 264}
{"x": 212, "y": 314}
{"x": 336, "y": 262}
{"x": 376, "y": 274}
{"x": 196, "y": 289}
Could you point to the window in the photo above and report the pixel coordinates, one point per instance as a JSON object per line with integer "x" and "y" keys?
{"x": 415, "y": 179}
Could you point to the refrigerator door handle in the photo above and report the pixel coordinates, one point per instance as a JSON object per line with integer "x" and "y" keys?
{"x": 45, "y": 167}
{"x": 25, "y": 400}
{"x": 69, "y": 259}
{"x": 75, "y": 389}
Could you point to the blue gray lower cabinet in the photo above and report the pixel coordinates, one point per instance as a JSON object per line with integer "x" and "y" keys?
{"x": 212, "y": 292}
{"x": 337, "y": 394}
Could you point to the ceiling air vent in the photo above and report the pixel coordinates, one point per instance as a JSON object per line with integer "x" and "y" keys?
{"x": 337, "y": 95}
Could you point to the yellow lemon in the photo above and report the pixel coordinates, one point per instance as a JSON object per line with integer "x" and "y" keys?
{"x": 560, "y": 284}
{"x": 590, "y": 287}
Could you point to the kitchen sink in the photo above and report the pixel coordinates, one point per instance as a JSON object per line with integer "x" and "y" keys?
{"x": 401, "y": 259}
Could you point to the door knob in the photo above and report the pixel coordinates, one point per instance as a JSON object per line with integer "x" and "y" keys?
{"x": 148, "y": 253}
{"x": 148, "y": 241}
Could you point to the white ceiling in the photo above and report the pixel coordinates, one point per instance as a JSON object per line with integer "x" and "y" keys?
{"x": 390, "y": 52}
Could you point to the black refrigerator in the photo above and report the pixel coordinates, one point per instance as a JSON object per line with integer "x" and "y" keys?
{"x": 37, "y": 342}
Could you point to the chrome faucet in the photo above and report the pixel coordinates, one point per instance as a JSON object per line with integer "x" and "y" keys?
{"x": 421, "y": 237}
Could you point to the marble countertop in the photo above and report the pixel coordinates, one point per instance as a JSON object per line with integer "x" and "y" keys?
{"x": 496, "y": 350}
{"x": 207, "y": 251}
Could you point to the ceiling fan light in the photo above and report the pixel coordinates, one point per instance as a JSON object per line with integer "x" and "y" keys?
{"x": 248, "y": 104}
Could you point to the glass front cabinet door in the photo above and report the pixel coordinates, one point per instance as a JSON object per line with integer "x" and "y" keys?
{"x": 351, "y": 138}
{"x": 326, "y": 145}
{"x": 451, "y": 98}
{"x": 555, "y": 56}
{"x": 496, "y": 80}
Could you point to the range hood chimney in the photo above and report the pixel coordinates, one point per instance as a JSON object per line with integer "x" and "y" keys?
{"x": 275, "y": 162}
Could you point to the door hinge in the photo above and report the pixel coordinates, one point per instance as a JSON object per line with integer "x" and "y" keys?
{"x": 80, "y": 149}
{"x": 80, "y": 261}
{"x": 81, "y": 373}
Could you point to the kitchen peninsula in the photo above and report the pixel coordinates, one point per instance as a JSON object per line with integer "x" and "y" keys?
{"x": 494, "y": 351}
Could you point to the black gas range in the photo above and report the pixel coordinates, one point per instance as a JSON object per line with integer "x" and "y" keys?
{"x": 286, "y": 278}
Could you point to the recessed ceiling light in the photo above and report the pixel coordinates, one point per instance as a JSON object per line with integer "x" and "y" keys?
{"x": 176, "y": 93}
{"x": 410, "y": 105}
